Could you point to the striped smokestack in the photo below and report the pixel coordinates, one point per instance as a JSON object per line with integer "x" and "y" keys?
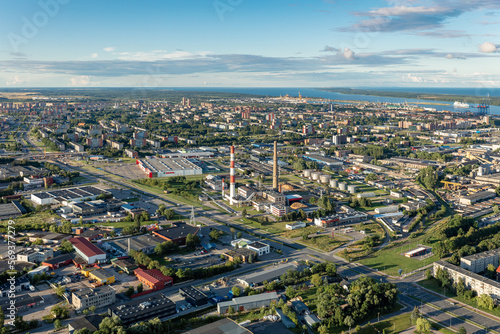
{"x": 275, "y": 167}
{"x": 232, "y": 185}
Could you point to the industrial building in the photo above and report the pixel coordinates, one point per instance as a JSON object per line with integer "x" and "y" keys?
{"x": 23, "y": 303}
{"x": 295, "y": 226}
{"x": 58, "y": 261}
{"x": 223, "y": 326}
{"x": 153, "y": 278}
{"x": 177, "y": 233}
{"x": 99, "y": 275}
{"x": 347, "y": 217}
{"x": 126, "y": 265}
{"x": 142, "y": 310}
{"x": 36, "y": 255}
{"x": 65, "y": 196}
{"x": 257, "y": 278}
{"x": 418, "y": 251}
{"x": 90, "y": 322}
{"x": 323, "y": 160}
{"x": 477, "y": 197}
{"x": 247, "y": 303}
{"x": 158, "y": 167}
{"x": 89, "y": 252}
{"x": 99, "y": 297}
{"x": 193, "y": 296}
{"x": 11, "y": 210}
{"x": 478, "y": 263}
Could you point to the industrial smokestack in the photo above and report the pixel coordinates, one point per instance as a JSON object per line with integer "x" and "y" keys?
{"x": 232, "y": 185}
{"x": 275, "y": 167}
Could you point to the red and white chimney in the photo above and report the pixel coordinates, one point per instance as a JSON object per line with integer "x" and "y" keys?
{"x": 232, "y": 183}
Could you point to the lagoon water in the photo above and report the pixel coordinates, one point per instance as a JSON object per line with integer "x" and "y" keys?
{"x": 312, "y": 92}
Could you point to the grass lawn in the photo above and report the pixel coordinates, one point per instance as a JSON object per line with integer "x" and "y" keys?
{"x": 292, "y": 234}
{"x": 390, "y": 260}
{"x": 371, "y": 229}
{"x": 325, "y": 242}
{"x": 392, "y": 325}
{"x": 270, "y": 228}
{"x": 125, "y": 224}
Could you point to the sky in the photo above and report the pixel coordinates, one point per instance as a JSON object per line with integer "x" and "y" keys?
{"x": 250, "y": 43}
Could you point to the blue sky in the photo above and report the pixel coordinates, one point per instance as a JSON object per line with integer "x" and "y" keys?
{"x": 248, "y": 43}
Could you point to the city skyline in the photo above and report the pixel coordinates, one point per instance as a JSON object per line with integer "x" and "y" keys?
{"x": 238, "y": 43}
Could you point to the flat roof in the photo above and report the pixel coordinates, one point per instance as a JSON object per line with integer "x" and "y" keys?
{"x": 135, "y": 308}
{"x": 59, "y": 259}
{"x": 250, "y": 299}
{"x": 193, "y": 292}
{"x": 481, "y": 255}
{"x": 257, "y": 244}
{"x": 89, "y": 292}
{"x": 268, "y": 275}
{"x": 162, "y": 165}
{"x": 90, "y": 321}
{"x": 10, "y": 210}
{"x": 179, "y": 231}
{"x": 86, "y": 247}
{"x": 223, "y": 326}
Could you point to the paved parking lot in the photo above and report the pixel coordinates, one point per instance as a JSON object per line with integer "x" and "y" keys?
{"x": 49, "y": 297}
{"x": 129, "y": 171}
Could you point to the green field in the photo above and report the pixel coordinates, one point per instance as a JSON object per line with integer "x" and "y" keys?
{"x": 391, "y": 326}
{"x": 391, "y": 259}
{"x": 292, "y": 234}
{"x": 325, "y": 242}
{"x": 269, "y": 227}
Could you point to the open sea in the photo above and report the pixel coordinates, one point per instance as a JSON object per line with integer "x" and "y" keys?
{"x": 312, "y": 92}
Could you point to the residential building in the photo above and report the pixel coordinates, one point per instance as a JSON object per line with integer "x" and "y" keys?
{"x": 478, "y": 263}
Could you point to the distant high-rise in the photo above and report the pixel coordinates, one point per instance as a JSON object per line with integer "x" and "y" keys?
{"x": 339, "y": 140}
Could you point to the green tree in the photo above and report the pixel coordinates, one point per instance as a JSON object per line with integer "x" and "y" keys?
{"x": 239, "y": 235}
{"x": 415, "y": 314}
{"x": 57, "y": 324}
{"x": 140, "y": 288}
{"x": 192, "y": 240}
{"x": 92, "y": 309}
{"x": 316, "y": 280}
{"x": 428, "y": 274}
{"x": 215, "y": 234}
{"x": 323, "y": 329}
{"x": 485, "y": 301}
{"x": 462, "y": 330}
{"x": 86, "y": 311}
{"x": 423, "y": 326}
{"x": 236, "y": 291}
{"x": 230, "y": 310}
{"x": 349, "y": 322}
{"x": 130, "y": 291}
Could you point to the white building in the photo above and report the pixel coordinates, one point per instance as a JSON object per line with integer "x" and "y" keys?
{"x": 259, "y": 247}
{"x": 87, "y": 250}
{"x": 295, "y": 226}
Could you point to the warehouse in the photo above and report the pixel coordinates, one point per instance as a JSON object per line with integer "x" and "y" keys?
{"x": 157, "y": 167}
{"x": 23, "y": 303}
{"x": 153, "y": 278}
{"x": 257, "y": 278}
{"x": 142, "y": 310}
{"x": 87, "y": 250}
{"x": 58, "y": 261}
{"x": 99, "y": 275}
{"x": 11, "y": 210}
{"x": 247, "y": 303}
{"x": 223, "y": 326}
{"x": 477, "y": 197}
{"x": 64, "y": 196}
{"x": 177, "y": 233}
{"x": 126, "y": 265}
{"x": 193, "y": 296}
{"x": 323, "y": 160}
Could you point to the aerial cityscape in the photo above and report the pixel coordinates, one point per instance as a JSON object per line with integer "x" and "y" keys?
{"x": 239, "y": 167}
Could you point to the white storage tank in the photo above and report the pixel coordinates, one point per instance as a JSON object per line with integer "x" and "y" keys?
{"x": 334, "y": 183}
{"x": 324, "y": 178}
{"x": 343, "y": 186}
{"x": 306, "y": 173}
{"x": 315, "y": 176}
{"x": 351, "y": 189}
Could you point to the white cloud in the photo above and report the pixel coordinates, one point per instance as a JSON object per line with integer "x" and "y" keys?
{"x": 109, "y": 49}
{"x": 17, "y": 80}
{"x": 161, "y": 55}
{"x": 79, "y": 81}
{"x": 452, "y": 56}
{"x": 348, "y": 54}
{"x": 488, "y": 47}
{"x": 411, "y": 78}
{"x": 94, "y": 55}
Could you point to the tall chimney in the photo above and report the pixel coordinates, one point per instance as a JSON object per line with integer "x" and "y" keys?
{"x": 275, "y": 166}
{"x": 232, "y": 190}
